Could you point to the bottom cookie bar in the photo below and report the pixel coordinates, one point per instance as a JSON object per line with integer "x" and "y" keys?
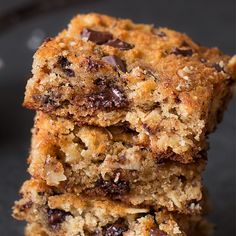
{"x": 50, "y": 214}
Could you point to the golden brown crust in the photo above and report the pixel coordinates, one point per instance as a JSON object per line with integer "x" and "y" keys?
{"x": 159, "y": 82}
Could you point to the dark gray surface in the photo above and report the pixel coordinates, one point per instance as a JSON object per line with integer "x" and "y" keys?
{"x": 209, "y": 22}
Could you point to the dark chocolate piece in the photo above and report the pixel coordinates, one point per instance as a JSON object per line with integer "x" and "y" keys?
{"x": 56, "y": 217}
{"x": 182, "y": 52}
{"x": 64, "y": 64}
{"x": 97, "y": 37}
{"x": 109, "y": 188}
{"x": 117, "y": 43}
{"x": 115, "y": 229}
{"x": 110, "y": 98}
{"x": 115, "y": 61}
{"x": 120, "y": 187}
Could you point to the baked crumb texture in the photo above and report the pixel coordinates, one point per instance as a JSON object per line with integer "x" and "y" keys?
{"x": 106, "y": 71}
{"x": 119, "y": 142}
{"x": 107, "y": 162}
{"x": 49, "y": 214}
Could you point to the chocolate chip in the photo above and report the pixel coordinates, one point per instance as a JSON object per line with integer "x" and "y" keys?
{"x": 109, "y": 188}
{"x": 49, "y": 101}
{"x": 177, "y": 99}
{"x": 56, "y": 217}
{"x": 157, "y": 232}
{"x": 97, "y": 37}
{"x": 115, "y": 229}
{"x": 182, "y": 52}
{"x": 120, "y": 187}
{"x": 110, "y": 98}
{"x": 115, "y": 61}
{"x": 44, "y": 99}
{"x": 64, "y": 64}
{"x": 218, "y": 67}
{"x": 69, "y": 72}
{"x": 117, "y": 43}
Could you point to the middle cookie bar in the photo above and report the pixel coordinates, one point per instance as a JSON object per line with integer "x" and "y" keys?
{"x": 108, "y": 163}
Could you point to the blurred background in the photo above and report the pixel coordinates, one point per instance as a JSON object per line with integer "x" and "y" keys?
{"x": 23, "y": 26}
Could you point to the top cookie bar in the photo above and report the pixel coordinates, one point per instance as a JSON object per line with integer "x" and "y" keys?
{"x": 105, "y": 71}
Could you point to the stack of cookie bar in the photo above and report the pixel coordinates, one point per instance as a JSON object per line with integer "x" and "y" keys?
{"x": 119, "y": 140}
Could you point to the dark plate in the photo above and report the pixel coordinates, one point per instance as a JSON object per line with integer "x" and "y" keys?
{"x": 209, "y": 22}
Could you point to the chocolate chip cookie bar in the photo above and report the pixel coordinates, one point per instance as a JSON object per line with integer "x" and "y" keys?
{"x": 51, "y": 214}
{"x": 106, "y": 71}
{"x": 107, "y": 162}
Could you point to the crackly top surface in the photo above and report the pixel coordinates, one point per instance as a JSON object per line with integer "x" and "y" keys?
{"x": 105, "y": 71}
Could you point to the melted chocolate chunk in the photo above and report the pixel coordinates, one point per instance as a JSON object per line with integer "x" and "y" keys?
{"x": 157, "y": 232}
{"x": 115, "y": 61}
{"x": 56, "y": 217}
{"x": 96, "y": 36}
{"x": 44, "y": 99}
{"x": 69, "y": 72}
{"x": 109, "y": 98}
{"x": 120, "y": 187}
{"x": 64, "y": 64}
{"x": 177, "y": 99}
{"x": 109, "y": 188}
{"x": 117, "y": 43}
{"x": 50, "y": 101}
{"x": 182, "y": 52}
{"x": 115, "y": 229}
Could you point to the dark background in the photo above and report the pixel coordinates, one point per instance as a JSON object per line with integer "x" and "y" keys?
{"x": 209, "y": 22}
